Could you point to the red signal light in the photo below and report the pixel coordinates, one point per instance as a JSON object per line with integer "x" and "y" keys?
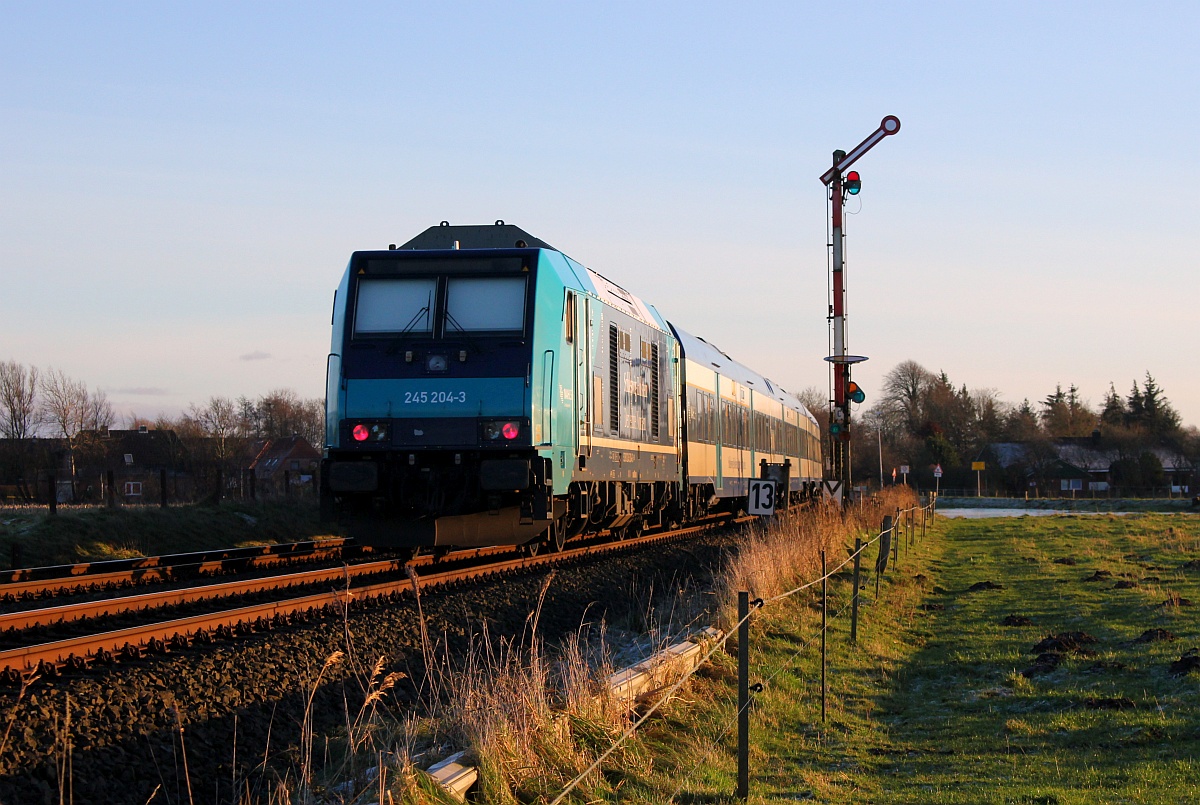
{"x": 853, "y": 183}
{"x": 511, "y": 430}
{"x": 360, "y": 433}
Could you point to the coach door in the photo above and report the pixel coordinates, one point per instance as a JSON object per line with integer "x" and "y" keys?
{"x": 579, "y": 331}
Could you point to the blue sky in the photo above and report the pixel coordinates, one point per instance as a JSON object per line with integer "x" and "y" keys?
{"x": 182, "y": 184}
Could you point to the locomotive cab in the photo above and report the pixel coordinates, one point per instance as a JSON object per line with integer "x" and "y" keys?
{"x": 430, "y": 434}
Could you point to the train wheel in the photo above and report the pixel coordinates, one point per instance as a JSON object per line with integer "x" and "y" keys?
{"x": 558, "y": 535}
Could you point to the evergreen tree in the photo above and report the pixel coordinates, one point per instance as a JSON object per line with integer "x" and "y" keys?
{"x": 1114, "y": 412}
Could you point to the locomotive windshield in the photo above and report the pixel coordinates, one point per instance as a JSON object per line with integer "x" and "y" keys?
{"x": 485, "y": 304}
{"x": 395, "y": 306}
{"x": 440, "y": 307}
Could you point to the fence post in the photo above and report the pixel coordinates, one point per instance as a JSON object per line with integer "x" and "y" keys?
{"x": 743, "y": 748}
{"x": 896, "y": 541}
{"x": 924, "y": 522}
{"x": 162, "y": 488}
{"x": 854, "y": 600}
{"x": 885, "y": 544}
{"x": 824, "y": 624}
{"x": 53, "y": 493}
{"x": 111, "y": 492}
{"x": 220, "y": 486}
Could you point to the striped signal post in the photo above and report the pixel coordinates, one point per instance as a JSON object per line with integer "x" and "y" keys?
{"x": 841, "y": 181}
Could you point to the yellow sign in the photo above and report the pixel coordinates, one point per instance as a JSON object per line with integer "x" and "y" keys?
{"x": 978, "y": 465}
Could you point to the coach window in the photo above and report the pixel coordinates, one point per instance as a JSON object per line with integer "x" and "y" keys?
{"x": 395, "y": 306}
{"x": 485, "y": 304}
{"x": 569, "y": 318}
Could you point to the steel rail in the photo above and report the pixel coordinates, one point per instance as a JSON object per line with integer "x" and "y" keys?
{"x": 61, "y": 578}
{"x": 79, "y": 652}
{"x": 109, "y": 607}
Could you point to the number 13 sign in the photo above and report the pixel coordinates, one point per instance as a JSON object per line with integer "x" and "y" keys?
{"x": 761, "y": 499}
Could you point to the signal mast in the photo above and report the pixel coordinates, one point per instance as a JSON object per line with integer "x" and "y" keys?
{"x": 844, "y": 391}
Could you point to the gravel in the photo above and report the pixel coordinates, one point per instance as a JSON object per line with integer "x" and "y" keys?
{"x": 131, "y": 726}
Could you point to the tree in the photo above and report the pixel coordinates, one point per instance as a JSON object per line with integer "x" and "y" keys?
{"x": 71, "y": 410}
{"x": 904, "y": 388}
{"x": 1066, "y": 413}
{"x": 1021, "y": 424}
{"x": 18, "y": 400}
{"x": 221, "y": 422}
{"x": 1114, "y": 412}
{"x": 1158, "y": 416}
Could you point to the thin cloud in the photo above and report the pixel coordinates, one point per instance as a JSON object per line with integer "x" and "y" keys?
{"x": 255, "y": 356}
{"x": 143, "y": 391}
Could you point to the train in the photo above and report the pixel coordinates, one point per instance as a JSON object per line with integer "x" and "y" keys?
{"x": 485, "y": 389}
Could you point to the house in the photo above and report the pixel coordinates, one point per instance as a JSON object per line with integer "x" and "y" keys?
{"x": 26, "y": 467}
{"x": 1082, "y": 465}
{"x": 139, "y": 460}
{"x": 291, "y": 461}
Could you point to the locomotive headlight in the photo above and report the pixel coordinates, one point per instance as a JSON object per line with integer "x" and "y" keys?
{"x": 369, "y": 432}
{"x": 497, "y": 430}
{"x": 435, "y": 363}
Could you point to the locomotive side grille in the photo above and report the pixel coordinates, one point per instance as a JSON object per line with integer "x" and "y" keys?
{"x": 654, "y": 391}
{"x": 614, "y": 375}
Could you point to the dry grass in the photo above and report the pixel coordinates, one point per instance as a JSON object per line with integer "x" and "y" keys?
{"x": 532, "y": 719}
{"x": 787, "y": 552}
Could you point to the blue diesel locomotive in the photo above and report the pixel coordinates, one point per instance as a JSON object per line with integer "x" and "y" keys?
{"x": 485, "y": 389}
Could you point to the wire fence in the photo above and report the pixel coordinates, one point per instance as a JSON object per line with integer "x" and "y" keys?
{"x": 898, "y": 531}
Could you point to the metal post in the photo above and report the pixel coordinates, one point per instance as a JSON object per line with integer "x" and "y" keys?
{"x": 854, "y": 600}
{"x": 110, "y": 492}
{"x": 162, "y": 488}
{"x": 220, "y": 486}
{"x": 53, "y": 493}
{"x": 824, "y": 623}
{"x": 839, "y": 443}
{"x": 743, "y": 747}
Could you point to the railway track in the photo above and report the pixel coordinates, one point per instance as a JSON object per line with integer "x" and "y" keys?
{"x": 26, "y": 583}
{"x": 160, "y": 637}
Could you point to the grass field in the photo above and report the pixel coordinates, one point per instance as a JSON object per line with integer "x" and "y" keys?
{"x": 79, "y": 534}
{"x": 942, "y": 702}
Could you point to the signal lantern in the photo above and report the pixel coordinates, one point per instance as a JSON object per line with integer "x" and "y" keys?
{"x": 853, "y": 183}
{"x": 854, "y": 393}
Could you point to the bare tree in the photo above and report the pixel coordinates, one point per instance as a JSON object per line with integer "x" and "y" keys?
{"x": 18, "y": 400}
{"x": 284, "y": 413}
{"x": 98, "y": 414}
{"x": 221, "y": 422}
{"x": 71, "y": 410}
{"x": 905, "y": 389}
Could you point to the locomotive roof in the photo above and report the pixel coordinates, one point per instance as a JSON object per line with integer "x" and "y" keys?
{"x": 497, "y": 236}
{"x": 698, "y": 350}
